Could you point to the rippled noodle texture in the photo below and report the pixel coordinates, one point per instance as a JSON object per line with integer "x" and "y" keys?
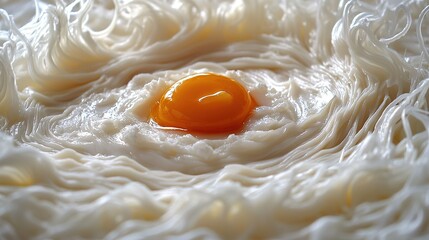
{"x": 336, "y": 149}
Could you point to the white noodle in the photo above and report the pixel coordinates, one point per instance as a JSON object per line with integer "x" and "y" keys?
{"x": 337, "y": 149}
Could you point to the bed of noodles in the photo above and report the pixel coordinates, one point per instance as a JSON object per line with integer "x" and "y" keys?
{"x": 337, "y": 149}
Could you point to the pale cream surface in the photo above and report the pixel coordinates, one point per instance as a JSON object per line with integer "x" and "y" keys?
{"x": 337, "y": 148}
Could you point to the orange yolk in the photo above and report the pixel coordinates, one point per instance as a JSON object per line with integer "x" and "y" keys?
{"x": 206, "y": 103}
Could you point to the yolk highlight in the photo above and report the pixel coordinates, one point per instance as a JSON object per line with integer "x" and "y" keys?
{"x": 205, "y": 103}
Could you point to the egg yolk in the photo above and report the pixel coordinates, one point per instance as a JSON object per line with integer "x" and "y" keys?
{"x": 205, "y": 103}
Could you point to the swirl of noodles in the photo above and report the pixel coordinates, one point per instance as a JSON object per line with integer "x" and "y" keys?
{"x": 339, "y": 141}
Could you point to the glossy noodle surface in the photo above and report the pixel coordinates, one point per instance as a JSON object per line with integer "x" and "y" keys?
{"x": 334, "y": 144}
